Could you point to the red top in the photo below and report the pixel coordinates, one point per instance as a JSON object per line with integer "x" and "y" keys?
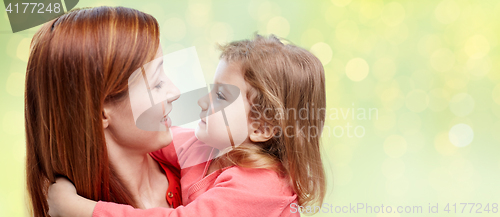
{"x": 173, "y": 195}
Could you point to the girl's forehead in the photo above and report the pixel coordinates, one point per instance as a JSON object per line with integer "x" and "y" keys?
{"x": 228, "y": 72}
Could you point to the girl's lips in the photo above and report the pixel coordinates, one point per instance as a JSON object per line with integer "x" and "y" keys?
{"x": 202, "y": 122}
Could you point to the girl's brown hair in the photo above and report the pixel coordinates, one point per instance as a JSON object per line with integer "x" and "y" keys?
{"x": 287, "y": 93}
{"x": 77, "y": 63}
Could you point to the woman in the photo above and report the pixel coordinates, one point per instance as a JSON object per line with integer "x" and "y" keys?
{"x": 79, "y": 117}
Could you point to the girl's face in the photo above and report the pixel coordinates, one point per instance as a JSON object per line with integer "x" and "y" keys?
{"x": 141, "y": 123}
{"x": 224, "y": 115}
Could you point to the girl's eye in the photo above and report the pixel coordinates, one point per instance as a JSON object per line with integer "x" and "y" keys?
{"x": 159, "y": 85}
{"x": 220, "y": 96}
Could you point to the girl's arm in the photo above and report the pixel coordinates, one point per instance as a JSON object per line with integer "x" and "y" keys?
{"x": 63, "y": 191}
{"x": 237, "y": 192}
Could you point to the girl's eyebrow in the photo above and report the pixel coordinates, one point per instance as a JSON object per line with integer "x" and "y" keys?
{"x": 227, "y": 90}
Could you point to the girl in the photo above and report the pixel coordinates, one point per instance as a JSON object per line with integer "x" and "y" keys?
{"x": 278, "y": 164}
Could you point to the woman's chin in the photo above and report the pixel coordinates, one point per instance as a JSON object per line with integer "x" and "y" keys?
{"x": 165, "y": 138}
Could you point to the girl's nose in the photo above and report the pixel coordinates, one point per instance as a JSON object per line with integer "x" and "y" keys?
{"x": 204, "y": 102}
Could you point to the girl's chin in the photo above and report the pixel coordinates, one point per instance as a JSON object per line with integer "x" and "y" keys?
{"x": 198, "y": 133}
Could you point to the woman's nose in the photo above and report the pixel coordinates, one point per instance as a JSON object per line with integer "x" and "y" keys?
{"x": 173, "y": 93}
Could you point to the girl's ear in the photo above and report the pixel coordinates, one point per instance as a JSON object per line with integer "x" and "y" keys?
{"x": 261, "y": 132}
{"x": 105, "y": 118}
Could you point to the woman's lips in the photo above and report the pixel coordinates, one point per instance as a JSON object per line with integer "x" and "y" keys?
{"x": 166, "y": 121}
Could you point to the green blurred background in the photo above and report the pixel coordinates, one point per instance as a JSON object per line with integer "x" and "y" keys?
{"x": 426, "y": 71}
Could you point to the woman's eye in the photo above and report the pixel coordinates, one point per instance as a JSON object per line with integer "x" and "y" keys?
{"x": 159, "y": 85}
{"x": 220, "y": 96}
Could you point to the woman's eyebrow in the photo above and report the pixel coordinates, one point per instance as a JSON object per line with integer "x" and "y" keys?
{"x": 157, "y": 70}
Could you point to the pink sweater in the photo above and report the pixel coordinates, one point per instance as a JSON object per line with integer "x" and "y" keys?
{"x": 234, "y": 191}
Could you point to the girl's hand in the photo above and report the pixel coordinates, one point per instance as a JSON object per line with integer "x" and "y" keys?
{"x": 64, "y": 201}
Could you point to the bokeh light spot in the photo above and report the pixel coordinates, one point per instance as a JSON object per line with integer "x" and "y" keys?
{"x": 396, "y": 34}
{"x": 341, "y": 154}
{"x": 393, "y": 168}
{"x": 415, "y": 142}
{"x": 343, "y": 175}
{"x": 13, "y": 122}
{"x": 174, "y": 29}
{"x": 385, "y": 121}
{"x": 19, "y": 150}
{"x": 333, "y": 15}
{"x": 457, "y": 78}
{"x": 357, "y": 69}
{"x": 264, "y": 10}
{"x": 494, "y": 131}
{"x": 442, "y": 60}
{"x": 23, "y": 49}
{"x": 198, "y": 13}
{"x": 479, "y": 67}
{"x": 347, "y": 31}
{"x": 15, "y": 84}
{"x": 384, "y": 69}
{"x": 323, "y": 52}
{"x": 447, "y": 12}
{"x": 443, "y": 145}
{"x": 461, "y": 135}
{"x": 393, "y": 14}
{"x": 221, "y": 32}
{"x": 495, "y": 94}
{"x": 409, "y": 123}
{"x": 371, "y": 8}
{"x": 278, "y": 26}
{"x": 395, "y": 146}
{"x": 428, "y": 44}
{"x": 417, "y": 100}
{"x": 385, "y": 214}
{"x": 477, "y": 46}
{"x": 438, "y": 100}
{"x": 397, "y": 187}
{"x": 462, "y": 104}
{"x": 311, "y": 36}
{"x": 341, "y": 3}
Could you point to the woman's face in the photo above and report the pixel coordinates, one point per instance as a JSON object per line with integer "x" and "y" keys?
{"x": 140, "y": 123}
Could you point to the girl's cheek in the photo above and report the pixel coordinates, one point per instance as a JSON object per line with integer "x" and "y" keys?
{"x": 237, "y": 117}
{"x": 217, "y": 132}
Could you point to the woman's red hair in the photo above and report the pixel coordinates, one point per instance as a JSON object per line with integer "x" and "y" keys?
{"x": 77, "y": 63}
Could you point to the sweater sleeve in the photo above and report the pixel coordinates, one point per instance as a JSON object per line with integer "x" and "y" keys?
{"x": 236, "y": 192}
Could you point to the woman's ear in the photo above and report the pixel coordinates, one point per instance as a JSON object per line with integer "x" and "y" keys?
{"x": 261, "y": 132}
{"x": 105, "y": 118}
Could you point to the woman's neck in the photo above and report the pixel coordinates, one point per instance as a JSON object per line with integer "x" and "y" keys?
{"x": 141, "y": 175}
